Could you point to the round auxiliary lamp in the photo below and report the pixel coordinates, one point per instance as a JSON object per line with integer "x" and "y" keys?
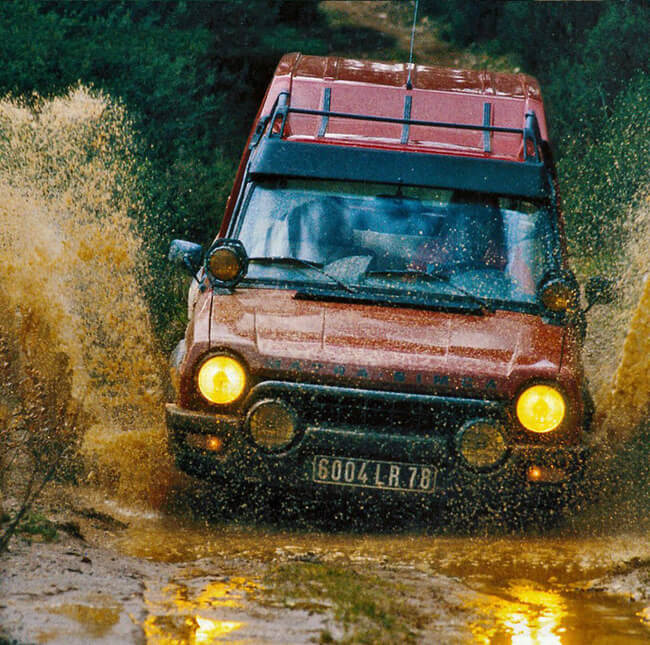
{"x": 559, "y": 292}
{"x": 226, "y": 263}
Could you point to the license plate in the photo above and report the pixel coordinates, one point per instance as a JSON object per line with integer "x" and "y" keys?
{"x": 370, "y": 473}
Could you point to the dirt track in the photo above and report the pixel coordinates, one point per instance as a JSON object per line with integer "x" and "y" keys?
{"x": 117, "y": 575}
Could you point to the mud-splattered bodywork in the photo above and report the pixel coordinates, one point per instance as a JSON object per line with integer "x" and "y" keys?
{"x": 382, "y": 393}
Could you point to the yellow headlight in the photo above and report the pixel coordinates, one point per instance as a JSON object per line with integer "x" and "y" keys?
{"x": 221, "y": 379}
{"x": 540, "y": 408}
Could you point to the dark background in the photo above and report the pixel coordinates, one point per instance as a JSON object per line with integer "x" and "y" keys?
{"x": 191, "y": 75}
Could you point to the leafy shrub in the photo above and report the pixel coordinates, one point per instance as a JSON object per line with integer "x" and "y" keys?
{"x": 601, "y": 174}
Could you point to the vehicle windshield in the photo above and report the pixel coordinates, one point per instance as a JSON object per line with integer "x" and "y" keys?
{"x": 386, "y": 237}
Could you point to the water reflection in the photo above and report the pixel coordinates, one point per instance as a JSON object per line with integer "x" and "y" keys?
{"x": 531, "y": 617}
{"x": 522, "y": 590}
{"x": 644, "y": 615}
{"x": 197, "y": 610}
{"x": 96, "y": 616}
{"x": 208, "y": 630}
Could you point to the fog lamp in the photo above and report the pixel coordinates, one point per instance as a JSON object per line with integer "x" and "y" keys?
{"x": 481, "y": 443}
{"x": 226, "y": 263}
{"x": 272, "y": 424}
{"x": 540, "y": 408}
{"x": 221, "y": 379}
{"x": 558, "y": 294}
{"x": 546, "y": 474}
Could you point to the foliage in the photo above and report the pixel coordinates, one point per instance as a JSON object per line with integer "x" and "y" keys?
{"x": 601, "y": 178}
{"x": 184, "y": 70}
{"x": 593, "y": 61}
{"x": 370, "y": 611}
{"x": 37, "y": 525}
{"x": 38, "y": 428}
{"x": 191, "y": 75}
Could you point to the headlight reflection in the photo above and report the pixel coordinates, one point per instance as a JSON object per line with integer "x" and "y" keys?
{"x": 182, "y": 613}
{"x": 531, "y": 617}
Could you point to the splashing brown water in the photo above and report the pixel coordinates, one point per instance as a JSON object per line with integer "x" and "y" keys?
{"x": 618, "y": 341}
{"x": 69, "y": 288}
{"x": 71, "y": 299}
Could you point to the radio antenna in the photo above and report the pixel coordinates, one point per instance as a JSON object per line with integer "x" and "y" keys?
{"x": 409, "y": 85}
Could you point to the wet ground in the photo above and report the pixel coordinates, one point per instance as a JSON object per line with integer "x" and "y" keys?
{"x": 117, "y": 575}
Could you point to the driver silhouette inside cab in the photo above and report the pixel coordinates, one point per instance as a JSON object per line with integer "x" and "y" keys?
{"x": 470, "y": 236}
{"x": 313, "y": 228}
{"x": 319, "y": 231}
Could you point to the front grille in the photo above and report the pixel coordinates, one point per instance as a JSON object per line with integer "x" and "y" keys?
{"x": 377, "y": 411}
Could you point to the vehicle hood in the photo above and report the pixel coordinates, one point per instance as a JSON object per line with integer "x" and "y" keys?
{"x": 372, "y": 345}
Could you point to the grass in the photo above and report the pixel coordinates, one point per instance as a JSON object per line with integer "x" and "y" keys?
{"x": 32, "y": 526}
{"x": 369, "y": 609}
{"x": 37, "y": 526}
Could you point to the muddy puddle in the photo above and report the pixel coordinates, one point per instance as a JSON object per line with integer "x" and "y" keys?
{"x": 162, "y": 579}
{"x": 207, "y": 580}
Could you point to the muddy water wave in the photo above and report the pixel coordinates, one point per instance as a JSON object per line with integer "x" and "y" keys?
{"x": 625, "y": 405}
{"x": 618, "y": 340}
{"x": 72, "y": 309}
{"x": 70, "y": 283}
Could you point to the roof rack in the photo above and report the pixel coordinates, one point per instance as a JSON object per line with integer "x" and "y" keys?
{"x": 281, "y": 110}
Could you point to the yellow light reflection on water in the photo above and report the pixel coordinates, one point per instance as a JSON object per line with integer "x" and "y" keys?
{"x": 644, "y": 614}
{"x": 195, "y": 630}
{"x": 208, "y": 630}
{"x": 528, "y": 616}
{"x": 183, "y": 614}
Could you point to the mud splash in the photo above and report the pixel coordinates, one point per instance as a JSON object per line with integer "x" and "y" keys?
{"x": 626, "y": 404}
{"x": 73, "y": 316}
{"x": 618, "y": 340}
{"x": 70, "y": 283}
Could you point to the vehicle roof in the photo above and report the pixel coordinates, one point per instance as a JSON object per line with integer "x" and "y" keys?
{"x": 438, "y": 94}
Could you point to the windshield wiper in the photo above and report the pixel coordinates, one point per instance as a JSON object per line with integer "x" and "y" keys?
{"x": 303, "y": 263}
{"x": 443, "y": 278}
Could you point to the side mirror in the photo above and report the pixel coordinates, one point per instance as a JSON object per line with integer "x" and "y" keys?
{"x": 226, "y": 263}
{"x": 599, "y": 291}
{"x": 187, "y": 255}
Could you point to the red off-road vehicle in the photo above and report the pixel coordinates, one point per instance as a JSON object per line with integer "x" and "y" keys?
{"x": 387, "y": 309}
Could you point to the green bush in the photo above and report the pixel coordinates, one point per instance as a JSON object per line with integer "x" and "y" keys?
{"x": 601, "y": 173}
{"x": 190, "y": 74}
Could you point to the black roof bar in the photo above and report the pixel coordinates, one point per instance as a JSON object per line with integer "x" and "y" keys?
{"x": 530, "y": 131}
{"x": 326, "y": 108}
{"x": 487, "y": 116}
{"x": 388, "y": 119}
{"x": 408, "y": 100}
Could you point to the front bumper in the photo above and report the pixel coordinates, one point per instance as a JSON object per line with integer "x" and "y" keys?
{"x": 526, "y": 468}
